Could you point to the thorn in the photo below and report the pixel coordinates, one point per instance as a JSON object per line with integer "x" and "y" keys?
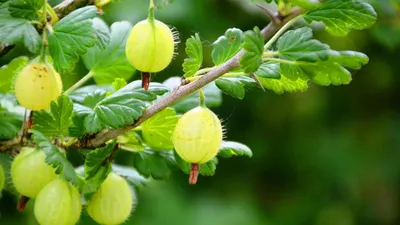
{"x": 258, "y": 81}
{"x": 274, "y": 18}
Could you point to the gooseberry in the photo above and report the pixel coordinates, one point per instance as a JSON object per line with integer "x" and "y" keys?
{"x": 197, "y": 138}
{"x": 37, "y": 85}
{"x": 58, "y": 203}
{"x": 112, "y": 203}
{"x": 30, "y": 173}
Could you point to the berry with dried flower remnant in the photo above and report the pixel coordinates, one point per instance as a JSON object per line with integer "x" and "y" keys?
{"x": 37, "y": 85}
{"x": 197, "y": 138}
{"x": 113, "y": 201}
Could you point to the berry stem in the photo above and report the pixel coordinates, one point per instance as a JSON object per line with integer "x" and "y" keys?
{"x": 146, "y": 76}
{"x": 202, "y": 98}
{"x": 150, "y": 17}
{"x": 79, "y": 83}
{"x": 22, "y": 202}
{"x": 194, "y": 173}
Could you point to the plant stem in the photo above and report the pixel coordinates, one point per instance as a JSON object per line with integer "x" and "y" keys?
{"x": 202, "y": 98}
{"x": 53, "y": 16}
{"x": 204, "y": 70}
{"x": 235, "y": 74}
{"x": 281, "y": 31}
{"x": 79, "y": 83}
{"x": 150, "y": 17}
{"x": 270, "y": 54}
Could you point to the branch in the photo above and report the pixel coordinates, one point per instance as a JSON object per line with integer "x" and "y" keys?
{"x": 62, "y": 9}
{"x": 184, "y": 89}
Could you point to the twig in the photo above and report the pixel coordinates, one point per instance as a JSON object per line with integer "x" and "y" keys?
{"x": 273, "y": 16}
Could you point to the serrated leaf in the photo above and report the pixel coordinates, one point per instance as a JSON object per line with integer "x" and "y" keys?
{"x": 122, "y": 107}
{"x": 157, "y": 130}
{"x": 55, "y": 158}
{"x": 80, "y": 94}
{"x": 194, "y": 50}
{"x": 230, "y": 148}
{"x": 269, "y": 70}
{"x": 71, "y": 37}
{"x": 254, "y": 46}
{"x": 131, "y": 175}
{"x": 227, "y": 46}
{"x": 25, "y": 9}
{"x": 118, "y": 84}
{"x": 129, "y": 141}
{"x": 92, "y": 99}
{"x": 90, "y": 186}
{"x": 327, "y": 73}
{"x": 56, "y": 122}
{"x": 152, "y": 164}
{"x": 284, "y": 84}
{"x": 236, "y": 86}
{"x": 298, "y": 45}
{"x": 206, "y": 169}
{"x": 340, "y": 16}
{"x": 18, "y": 31}
{"x": 102, "y": 32}
{"x": 11, "y": 124}
{"x": 8, "y": 73}
{"x": 350, "y": 59}
{"x": 111, "y": 62}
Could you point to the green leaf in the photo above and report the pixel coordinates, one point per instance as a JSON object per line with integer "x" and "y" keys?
{"x": 9, "y": 72}
{"x": 102, "y": 32}
{"x": 350, "y": 59}
{"x": 55, "y": 158}
{"x": 129, "y": 141}
{"x": 111, "y": 62}
{"x": 122, "y": 107}
{"x": 227, "y": 46}
{"x": 56, "y": 122}
{"x": 18, "y": 31}
{"x": 254, "y": 46}
{"x": 11, "y": 124}
{"x": 194, "y": 50}
{"x": 269, "y": 70}
{"x": 298, "y": 45}
{"x": 340, "y": 16}
{"x": 236, "y": 86}
{"x": 284, "y": 84}
{"x": 157, "y": 130}
{"x": 80, "y": 94}
{"x": 131, "y": 175}
{"x": 206, "y": 169}
{"x": 327, "y": 73}
{"x": 71, "y": 37}
{"x": 305, "y": 4}
{"x": 211, "y": 91}
{"x": 230, "y": 148}
{"x": 25, "y": 9}
{"x": 92, "y": 99}
{"x": 152, "y": 164}
{"x": 118, "y": 84}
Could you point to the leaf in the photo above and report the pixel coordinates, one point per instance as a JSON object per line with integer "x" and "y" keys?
{"x": 254, "y": 46}
{"x": 129, "y": 141}
{"x": 350, "y": 59}
{"x": 122, "y": 107}
{"x": 298, "y": 45}
{"x": 230, "y": 148}
{"x": 71, "y": 37}
{"x": 55, "y": 158}
{"x": 152, "y": 164}
{"x": 102, "y": 32}
{"x": 227, "y": 46}
{"x": 92, "y": 99}
{"x": 206, "y": 169}
{"x": 80, "y": 94}
{"x": 111, "y": 62}
{"x": 131, "y": 175}
{"x": 157, "y": 130}
{"x": 236, "y": 86}
{"x": 327, "y": 73}
{"x": 305, "y": 4}
{"x": 8, "y": 73}
{"x": 11, "y": 124}
{"x": 18, "y": 31}
{"x": 284, "y": 84}
{"x": 57, "y": 122}
{"x": 194, "y": 50}
{"x": 118, "y": 84}
{"x": 340, "y": 16}
{"x": 269, "y": 70}
{"x": 25, "y": 9}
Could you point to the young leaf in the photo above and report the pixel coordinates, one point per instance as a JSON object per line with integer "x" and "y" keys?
{"x": 8, "y": 73}
{"x": 129, "y": 141}
{"x": 57, "y": 122}
{"x": 284, "y": 84}
{"x": 194, "y": 50}
{"x": 340, "y": 16}
{"x": 152, "y": 164}
{"x": 102, "y": 32}
{"x": 230, "y": 148}
{"x": 111, "y": 62}
{"x": 236, "y": 86}
{"x": 227, "y": 46}
{"x": 17, "y": 30}
{"x": 71, "y": 37}
{"x": 206, "y": 169}
{"x": 157, "y": 130}
{"x": 298, "y": 45}
{"x": 25, "y": 9}
{"x": 118, "y": 84}
{"x": 254, "y": 46}
{"x": 55, "y": 158}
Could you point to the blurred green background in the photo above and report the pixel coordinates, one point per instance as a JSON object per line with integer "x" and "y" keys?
{"x": 329, "y": 156}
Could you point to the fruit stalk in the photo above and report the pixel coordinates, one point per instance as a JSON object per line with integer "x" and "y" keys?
{"x": 194, "y": 173}
{"x": 22, "y": 202}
